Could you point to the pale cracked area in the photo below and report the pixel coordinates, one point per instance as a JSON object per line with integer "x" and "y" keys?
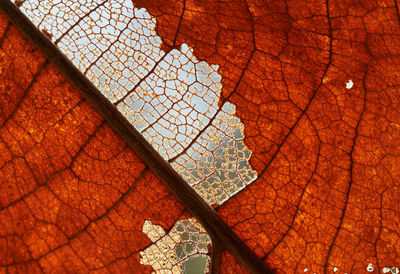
{"x": 223, "y": 169}
{"x": 183, "y": 249}
{"x": 170, "y": 97}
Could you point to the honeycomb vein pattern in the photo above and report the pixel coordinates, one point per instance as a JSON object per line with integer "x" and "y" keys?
{"x": 171, "y": 98}
{"x": 173, "y": 252}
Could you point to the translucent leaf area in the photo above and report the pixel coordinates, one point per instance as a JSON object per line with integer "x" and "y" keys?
{"x": 305, "y": 98}
{"x": 183, "y": 249}
{"x": 171, "y": 98}
{"x": 73, "y": 194}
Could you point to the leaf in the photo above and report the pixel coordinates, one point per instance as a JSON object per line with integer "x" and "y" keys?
{"x": 229, "y": 264}
{"x": 325, "y": 152}
{"x": 183, "y": 248}
{"x": 87, "y": 177}
{"x": 170, "y": 97}
{"x": 74, "y": 195}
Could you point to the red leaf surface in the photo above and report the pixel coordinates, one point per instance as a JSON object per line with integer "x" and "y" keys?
{"x": 74, "y": 196}
{"x": 326, "y": 154}
{"x": 230, "y": 265}
{"x": 316, "y": 86}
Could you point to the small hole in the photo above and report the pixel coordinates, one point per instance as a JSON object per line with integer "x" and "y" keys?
{"x": 349, "y": 84}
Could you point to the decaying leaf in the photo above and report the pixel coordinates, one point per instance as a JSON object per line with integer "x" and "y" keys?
{"x": 283, "y": 115}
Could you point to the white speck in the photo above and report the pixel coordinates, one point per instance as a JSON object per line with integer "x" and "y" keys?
{"x": 386, "y": 269}
{"x": 370, "y": 268}
{"x": 395, "y": 270}
{"x": 335, "y": 269}
{"x": 349, "y": 84}
{"x": 305, "y": 269}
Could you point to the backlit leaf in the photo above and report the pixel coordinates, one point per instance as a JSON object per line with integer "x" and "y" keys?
{"x": 283, "y": 115}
